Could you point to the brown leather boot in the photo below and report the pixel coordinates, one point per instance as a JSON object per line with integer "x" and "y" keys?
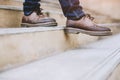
{"x": 36, "y": 19}
{"x": 87, "y": 26}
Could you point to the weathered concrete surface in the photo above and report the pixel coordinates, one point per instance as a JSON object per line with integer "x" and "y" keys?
{"x": 106, "y": 7}
{"x": 28, "y": 44}
{"x": 11, "y": 2}
{"x": 22, "y": 45}
{"x": 92, "y": 62}
{"x": 15, "y": 43}
{"x": 10, "y": 18}
{"x": 101, "y": 10}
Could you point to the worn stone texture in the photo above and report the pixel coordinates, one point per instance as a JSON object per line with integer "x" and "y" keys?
{"x": 17, "y": 49}
{"x": 96, "y": 61}
{"x": 11, "y": 2}
{"x": 102, "y": 11}
{"x": 10, "y": 18}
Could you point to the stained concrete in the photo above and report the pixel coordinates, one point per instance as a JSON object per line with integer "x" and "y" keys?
{"x": 22, "y": 45}
{"x": 92, "y": 62}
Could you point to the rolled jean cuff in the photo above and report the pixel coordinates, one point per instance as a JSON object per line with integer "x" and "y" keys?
{"x": 30, "y": 6}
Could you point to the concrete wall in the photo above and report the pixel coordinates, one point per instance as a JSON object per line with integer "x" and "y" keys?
{"x": 106, "y": 7}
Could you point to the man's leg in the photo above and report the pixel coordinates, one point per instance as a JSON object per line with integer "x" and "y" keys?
{"x": 34, "y": 17}
{"x": 72, "y": 9}
{"x": 78, "y": 21}
{"x": 30, "y": 6}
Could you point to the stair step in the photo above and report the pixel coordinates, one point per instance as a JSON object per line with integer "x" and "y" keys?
{"x": 22, "y": 45}
{"x": 28, "y": 44}
{"x": 12, "y": 10}
{"x": 98, "y": 61}
{"x": 11, "y": 2}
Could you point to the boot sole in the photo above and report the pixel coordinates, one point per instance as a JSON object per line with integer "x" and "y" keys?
{"x": 47, "y": 24}
{"x": 92, "y": 33}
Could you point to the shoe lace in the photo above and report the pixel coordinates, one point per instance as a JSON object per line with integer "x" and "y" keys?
{"x": 89, "y": 16}
{"x": 39, "y": 11}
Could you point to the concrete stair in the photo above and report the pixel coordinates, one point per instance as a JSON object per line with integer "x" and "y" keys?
{"x": 20, "y": 46}
{"x": 12, "y": 10}
{"x": 96, "y": 61}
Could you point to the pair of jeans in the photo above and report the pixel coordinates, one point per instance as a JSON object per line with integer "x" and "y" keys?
{"x": 71, "y": 8}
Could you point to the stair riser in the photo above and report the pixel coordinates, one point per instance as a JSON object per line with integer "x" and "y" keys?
{"x": 19, "y": 49}
{"x": 10, "y": 18}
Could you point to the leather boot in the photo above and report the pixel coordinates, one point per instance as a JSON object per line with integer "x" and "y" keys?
{"x": 37, "y": 19}
{"x": 87, "y": 26}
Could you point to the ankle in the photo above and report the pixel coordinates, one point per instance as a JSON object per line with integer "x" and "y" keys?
{"x": 32, "y": 16}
